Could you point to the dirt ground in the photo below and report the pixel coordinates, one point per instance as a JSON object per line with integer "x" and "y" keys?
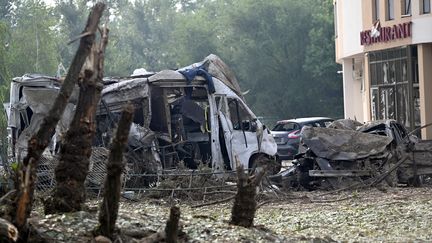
{"x": 394, "y": 215}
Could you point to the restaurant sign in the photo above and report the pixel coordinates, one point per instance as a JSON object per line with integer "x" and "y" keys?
{"x": 380, "y": 34}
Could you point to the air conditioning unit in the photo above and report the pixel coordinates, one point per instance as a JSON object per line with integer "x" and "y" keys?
{"x": 358, "y": 74}
{"x": 357, "y": 69}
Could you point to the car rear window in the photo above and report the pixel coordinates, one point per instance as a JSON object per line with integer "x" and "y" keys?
{"x": 319, "y": 123}
{"x": 286, "y": 127}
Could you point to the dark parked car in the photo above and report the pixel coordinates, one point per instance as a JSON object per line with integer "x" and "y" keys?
{"x": 286, "y": 134}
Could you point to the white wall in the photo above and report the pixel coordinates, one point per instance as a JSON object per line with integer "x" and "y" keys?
{"x": 422, "y": 30}
{"x": 353, "y": 100}
{"x": 351, "y": 27}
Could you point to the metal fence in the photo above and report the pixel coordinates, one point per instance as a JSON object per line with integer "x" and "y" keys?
{"x": 173, "y": 182}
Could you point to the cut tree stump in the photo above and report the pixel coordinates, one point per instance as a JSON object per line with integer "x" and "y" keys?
{"x": 108, "y": 210}
{"x": 243, "y": 210}
{"x": 171, "y": 229}
{"x": 170, "y": 234}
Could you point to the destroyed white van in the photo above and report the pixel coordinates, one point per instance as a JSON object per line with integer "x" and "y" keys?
{"x": 195, "y": 115}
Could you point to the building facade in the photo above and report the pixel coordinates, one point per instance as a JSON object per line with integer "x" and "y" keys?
{"x": 385, "y": 48}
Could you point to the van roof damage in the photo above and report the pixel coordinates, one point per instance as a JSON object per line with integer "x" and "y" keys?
{"x": 195, "y": 115}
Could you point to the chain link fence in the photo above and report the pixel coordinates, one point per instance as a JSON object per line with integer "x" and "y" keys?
{"x": 178, "y": 183}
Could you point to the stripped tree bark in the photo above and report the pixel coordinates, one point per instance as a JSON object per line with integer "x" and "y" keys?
{"x": 243, "y": 210}
{"x": 39, "y": 141}
{"x": 108, "y": 210}
{"x": 72, "y": 169}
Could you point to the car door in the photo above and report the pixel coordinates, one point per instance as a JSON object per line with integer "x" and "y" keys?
{"x": 239, "y": 131}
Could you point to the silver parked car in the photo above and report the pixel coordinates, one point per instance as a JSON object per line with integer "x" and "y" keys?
{"x": 286, "y": 134}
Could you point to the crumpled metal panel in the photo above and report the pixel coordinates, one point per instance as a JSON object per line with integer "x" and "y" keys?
{"x": 139, "y": 136}
{"x": 40, "y": 99}
{"x": 377, "y": 125}
{"x": 218, "y": 69}
{"x": 168, "y": 75}
{"x": 346, "y": 124}
{"x": 120, "y": 93}
{"x": 267, "y": 144}
{"x": 335, "y": 144}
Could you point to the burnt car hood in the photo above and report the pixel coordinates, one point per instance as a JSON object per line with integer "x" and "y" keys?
{"x": 337, "y": 144}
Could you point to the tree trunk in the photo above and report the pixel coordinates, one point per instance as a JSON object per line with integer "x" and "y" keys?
{"x": 171, "y": 228}
{"x": 72, "y": 170}
{"x": 243, "y": 211}
{"x": 109, "y": 208}
{"x": 170, "y": 234}
{"x": 38, "y": 142}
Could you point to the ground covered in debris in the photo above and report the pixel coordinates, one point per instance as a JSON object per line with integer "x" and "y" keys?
{"x": 394, "y": 215}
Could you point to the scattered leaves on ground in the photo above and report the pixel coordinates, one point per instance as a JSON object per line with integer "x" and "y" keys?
{"x": 397, "y": 215}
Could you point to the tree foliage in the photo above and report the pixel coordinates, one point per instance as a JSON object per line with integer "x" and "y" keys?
{"x": 33, "y": 39}
{"x": 281, "y": 50}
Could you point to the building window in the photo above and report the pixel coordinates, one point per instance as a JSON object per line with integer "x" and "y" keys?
{"x": 406, "y": 7}
{"x": 375, "y": 10}
{"x": 393, "y": 82}
{"x": 389, "y": 9}
{"x": 425, "y": 6}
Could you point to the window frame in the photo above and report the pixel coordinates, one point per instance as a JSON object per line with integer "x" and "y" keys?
{"x": 237, "y": 114}
{"x": 422, "y": 7}
{"x": 375, "y": 10}
{"x": 389, "y": 7}
{"x": 406, "y": 10}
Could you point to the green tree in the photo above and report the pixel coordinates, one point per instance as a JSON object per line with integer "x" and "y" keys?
{"x": 320, "y": 61}
{"x": 266, "y": 46}
{"x": 140, "y": 37}
{"x": 72, "y": 15}
{"x": 5, "y": 14}
{"x": 33, "y": 46}
{"x": 5, "y": 10}
{"x": 195, "y": 34}
{"x": 4, "y": 72}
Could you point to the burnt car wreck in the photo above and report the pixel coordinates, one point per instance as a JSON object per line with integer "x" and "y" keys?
{"x": 348, "y": 152}
{"x": 196, "y": 115}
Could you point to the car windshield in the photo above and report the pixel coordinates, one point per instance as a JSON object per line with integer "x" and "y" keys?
{"x": 286, "y": 127}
